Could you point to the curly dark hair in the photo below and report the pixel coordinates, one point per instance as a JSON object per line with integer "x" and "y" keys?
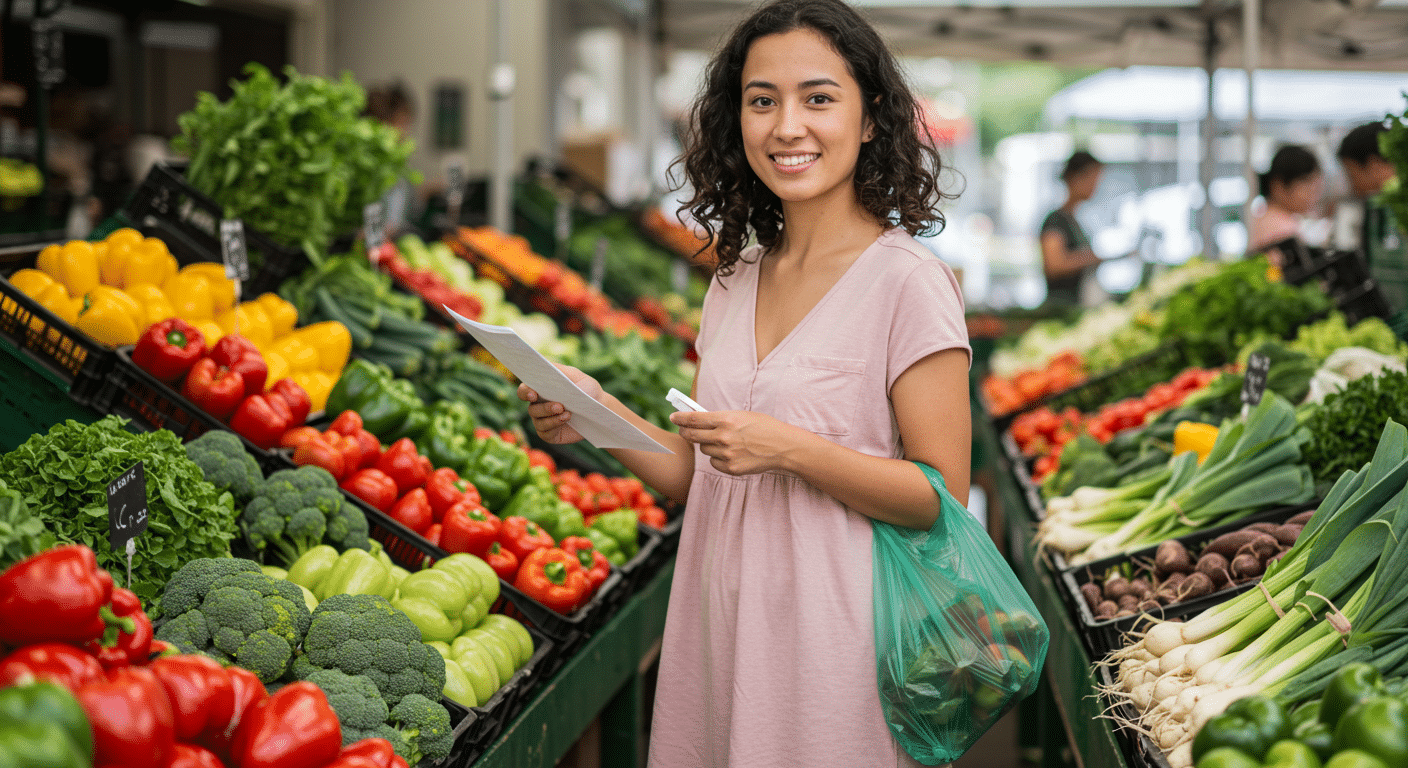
{"x": 896, "y": 176}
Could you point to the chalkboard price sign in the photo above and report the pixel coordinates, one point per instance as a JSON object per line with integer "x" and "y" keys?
{"x": 1254, "y": 386}
{"x": 233, "y": 250}
{"x": 127, "y": 506}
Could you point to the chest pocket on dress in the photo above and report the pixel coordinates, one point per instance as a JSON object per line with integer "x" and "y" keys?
{"x": 822, "y": 393}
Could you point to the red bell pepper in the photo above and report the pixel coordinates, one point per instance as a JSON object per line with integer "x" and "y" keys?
{"x": 413, "y": 511}
{"x": 594, "y": 564}
{"x": 298, "y": 436}
{"x": 347, "y": 423}
{"x": 58, "y": 663}
{"x": 239, "y": 354}
{"x": 60, "y": 594}
{"x": 379, "y": 751}
{"x": 653, "y": 517}
{"x": 504, "y": 562}
{"x": 214, "y": 389}
{"x": 446, "y": 488}
{"x": 372, "y": 486}
{"x": 299, "y": 404}
{"x": 540, "y": 458}
{"x": 353, "y": 761}
{"x": 371, "y": 448}
{"x": 403, "y": 463}
{"x": 469, "y": 527}
{"x": 319, "y": 452}
{"x": 132, "y": 646}
{"x": 201, "y": 693}
{"x": 432, "y": 534}
{"x": 248, "y": 692}
{"x": 521, "y": 536}
{"x": 262, "y": 419}
{"x": 553, "y": 578}
{"x": 168, "y": 349}
{"x": 192, "y": 756}
{"x": 294, "y": 728}
{"x": 131, "y": 718}
{"x": 350, "y": 449}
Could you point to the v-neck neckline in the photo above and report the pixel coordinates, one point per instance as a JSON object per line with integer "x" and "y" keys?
{"x": 753, "y": 304}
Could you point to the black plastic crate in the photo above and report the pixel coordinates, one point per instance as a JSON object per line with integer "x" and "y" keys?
{"x": 152, "y": 404}
{"x": 1021, "y": 472}
{"x": 1104, "y": 635}
{"x": 1137, "y": 746}
{"x": 489, "y": 721}
{"x": 165, "y": 206}
{"x": 73, "y": 361}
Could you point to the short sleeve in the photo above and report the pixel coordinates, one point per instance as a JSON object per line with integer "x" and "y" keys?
{"x": 928, "y": 318}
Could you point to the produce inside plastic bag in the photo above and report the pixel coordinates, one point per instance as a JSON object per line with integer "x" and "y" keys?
{"x": 958, "y": 642}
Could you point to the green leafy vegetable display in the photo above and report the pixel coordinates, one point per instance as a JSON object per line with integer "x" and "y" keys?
{"x": 297, "y": 160}
{"x": 63, "y": 477}
{"x": 1346, "y": 428}
{"x": 1217, "y": 315}
{"x": 22, "y": 534}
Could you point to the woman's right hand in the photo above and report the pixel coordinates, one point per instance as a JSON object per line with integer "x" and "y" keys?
{"x": 551, "y": 420}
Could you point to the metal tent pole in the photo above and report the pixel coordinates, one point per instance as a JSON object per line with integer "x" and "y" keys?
{"x": 1207, "y": 169}
{"x": 501, "y": 84}
{"x": 1251, "y": 54}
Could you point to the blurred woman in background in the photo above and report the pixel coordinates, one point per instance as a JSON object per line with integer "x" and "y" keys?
{"x": 1066, "y": 257}
{"x": 1291, "y": 188}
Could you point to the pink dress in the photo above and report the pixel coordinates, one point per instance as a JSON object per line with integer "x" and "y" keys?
{"x": 769, "y": 652}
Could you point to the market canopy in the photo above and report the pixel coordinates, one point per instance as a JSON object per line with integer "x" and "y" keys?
{"x": 1295, "y": 34}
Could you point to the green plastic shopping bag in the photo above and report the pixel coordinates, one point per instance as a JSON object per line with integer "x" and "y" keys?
{"x": 958, "y": 642}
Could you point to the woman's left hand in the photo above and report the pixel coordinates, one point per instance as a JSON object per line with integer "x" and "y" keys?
{"x": 738, "y": 442}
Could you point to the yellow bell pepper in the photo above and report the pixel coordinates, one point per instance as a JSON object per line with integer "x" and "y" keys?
{"x": 75, "y": 264}
{"x": 300, "y": 355}
{"x": 250, "y": 321}
{"x": 111, "y": 316}
{"x": 210, "y": 331}
{"x": 155, "y": 306}
{"x": 278, "y": 369}
{"x": 126, "y": 235}
{"x": 190, "y": 296}
{"x": 222, "y": 289}
{"x": 333, "y": 342}
{"x": 1194, "y": 436}
{"x": 148, "y": 262}
{"x": 55, "y": 298}
{"x": 282, "y": 314}
{"x": 112, "y": 266}
{"x": 31, "y": 281}
{"x": 318, "y": 385}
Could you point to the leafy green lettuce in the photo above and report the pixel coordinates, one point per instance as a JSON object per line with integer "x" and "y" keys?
{"x": 63, "y": 477}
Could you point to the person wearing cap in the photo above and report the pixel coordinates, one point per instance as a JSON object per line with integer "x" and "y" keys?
{"x": 1066, "y": 256}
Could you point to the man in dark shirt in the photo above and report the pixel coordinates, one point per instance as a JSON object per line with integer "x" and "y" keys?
{"x": 1380, "y": 236}
{"x": 1066, "y": 256}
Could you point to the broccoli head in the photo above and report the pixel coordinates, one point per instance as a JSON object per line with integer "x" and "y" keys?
{"x": 226, "y": 464}
{"x": 354, "y": 698}
{"x": 381, "y": 731}
{"x": 363, "y": 634}
{"x": 256, "y": 621}
{"x": 348, "y": 528}
{"x": 425, "y": 724}
{"x": 290, "y": 511}
{"x": 187, "y": 587}
{"x": 188, "y": 632}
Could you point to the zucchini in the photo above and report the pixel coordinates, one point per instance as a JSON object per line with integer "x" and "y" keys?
{"x": 402, "y": 359}
{"x": 328, "y": 307}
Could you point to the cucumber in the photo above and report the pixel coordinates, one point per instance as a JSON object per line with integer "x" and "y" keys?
{"x": 328, "y": 307}
{"x": 402, "y": 359}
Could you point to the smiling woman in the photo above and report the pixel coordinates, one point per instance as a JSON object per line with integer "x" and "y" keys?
{"x": 833, "y": 357}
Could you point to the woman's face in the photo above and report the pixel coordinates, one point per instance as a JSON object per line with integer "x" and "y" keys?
{"x": 1082, "y": 185}
{"x": 803, "y": 117}
{"x": 1298, "y": 196}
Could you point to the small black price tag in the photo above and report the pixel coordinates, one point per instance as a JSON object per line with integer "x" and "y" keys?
{"x": 455, "y": 183}
{"x": 1254, "y": 385}
{"x": 374, "y": 227}
{"x": 127, "y": 506}
{"x": 232, "y": 249}
{"x": 598, "y": 273}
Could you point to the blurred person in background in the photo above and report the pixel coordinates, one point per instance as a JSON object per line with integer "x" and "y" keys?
{"x": 1291, "y": 188}
{"x": 391, "y": 104}
{"x": 1066, "y": 256}
{"x": 1368, "y": 226}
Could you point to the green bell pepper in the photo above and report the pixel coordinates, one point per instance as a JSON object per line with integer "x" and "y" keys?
{"x": 568, "y": 521}
{"x": 1352, "y": 684}
{"x": 311, "y": 570}
{"x": 356, "y": 572}
{"x": 469, "y": 568}
{"x": 1289, "y": 753}
{"x": 43, "y": 725}
{"x": 457, "y": 686}
{"x": 1355, "y": 758}
{"x": 607, "y": 546}
{"x": 1316, "y": 735}
{"x": 435, "y": 601}
{"x": 623, "y": 526}
{"x": 1227, "y": 757}
{"x": 497, "y": 471}
{"x": 541, "y": 478}
{"x": 417, "y": 417}
{"x": 1379, "y": 726}
{"x": 449, "y": 439}
{"x": 359, "y": 380}
{"x": 389, "y": 407}
{"x": 1251, "y": 725}
{"x": 1305, "y": 713}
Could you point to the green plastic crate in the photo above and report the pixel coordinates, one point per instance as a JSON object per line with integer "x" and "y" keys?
{"x": 31, "y": 401}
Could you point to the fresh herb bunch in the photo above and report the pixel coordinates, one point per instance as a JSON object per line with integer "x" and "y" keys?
{"x": 63, "y": 476}
{"x": 1217, "y": 315}
{"x": 1346, "y": 428}
{"x": 296, "y": 161}
{"x": 1393, "y": 145}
